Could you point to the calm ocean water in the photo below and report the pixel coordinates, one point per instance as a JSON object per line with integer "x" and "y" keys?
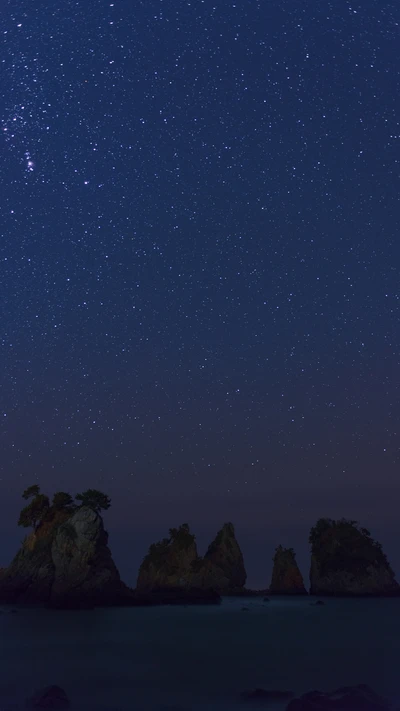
{"x": 199, "y": 658}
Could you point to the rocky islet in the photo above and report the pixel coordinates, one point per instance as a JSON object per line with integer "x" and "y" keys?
{"x": 286, "y": 576}
{"x": 347, "y": 561}
{"x": 66, "y": 562}
{"x": 175, "y": 563}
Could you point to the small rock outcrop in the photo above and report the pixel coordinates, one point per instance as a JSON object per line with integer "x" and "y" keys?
{"x": 168, "y": 564}
{"x": 225, "y": 555}
{"x": 348, "y": 698}
{"x": 286, "y": 577}
{"x": 345, "y": 560}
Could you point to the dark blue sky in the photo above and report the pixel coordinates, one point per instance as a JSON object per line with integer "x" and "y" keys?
{"x": 199, "y": 265}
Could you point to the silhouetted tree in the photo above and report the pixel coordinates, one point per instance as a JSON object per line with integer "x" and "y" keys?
{"x": 95, "y": 499}
{"x": 35, "y": 512}
{"x": 31, "y": 491}
{"x": 182, "y": 535}
{"x": 63, "y": 500}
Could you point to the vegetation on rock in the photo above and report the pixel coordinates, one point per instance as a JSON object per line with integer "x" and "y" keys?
{"x": 344, "y": 545}
{"x": 174, "y": 562}
{"x": 182, "y": 536}
{"x": 67, "y": 553}
{"x": 165, "y": 556}
{"x": 39, "y": 510}
{"x": 156, "y": 554}
{"x": 31, "y": 491}
{"x": 62, "y": 500}
{"x": 95, "y": 499}
{"x": 65, "y": 560}
{"x": 35, "y": 512}
{"x": 345, "y": 560}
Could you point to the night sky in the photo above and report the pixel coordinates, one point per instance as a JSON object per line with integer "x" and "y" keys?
{"x": 199, "y": 266}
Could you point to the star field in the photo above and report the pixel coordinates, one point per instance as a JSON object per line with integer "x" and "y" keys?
{"x": 199, "y": 250}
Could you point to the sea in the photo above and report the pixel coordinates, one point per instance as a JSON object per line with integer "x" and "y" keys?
{"x": 200, "y": 658}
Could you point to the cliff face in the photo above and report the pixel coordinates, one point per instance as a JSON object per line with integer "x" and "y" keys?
{"x": 168, "y": 563}
{"x": 286, "y": 577}
{"x": 206, "y": 576}
{"x": 345, "y": 560}
{"x": 29, "y": 577}
{"x": 224, "y": 553}
{"x": 84, "y": 571}
{"x": 66, "y": 562}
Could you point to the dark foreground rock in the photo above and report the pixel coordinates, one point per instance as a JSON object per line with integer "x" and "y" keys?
{"x": 348, "y": 698}
{"x": 266, "y": 695}
{"x": 51, "y": 698}
{"x": 346, "y": 561}
{"x": 286, "y": 577}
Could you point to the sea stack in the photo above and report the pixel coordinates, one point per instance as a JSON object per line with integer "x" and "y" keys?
{"x": 286, "y": 577}
{"x": 66, "y": 563}
{"x": 224, "y": 554}
{"x": 173, "y": 563}
{"x": 168, "y": 564}
{"x": 345, "y": 560}
{"x": 84, "y": 571}
{"x": 65, "y": 560}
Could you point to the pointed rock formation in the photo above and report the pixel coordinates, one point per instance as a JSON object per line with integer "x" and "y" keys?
{"x": 66, "y": 562}
{"x": 345, "y": 560}
{"x": 168, "y": 564}
{"x": 173, "y": 563}
{"x": 225, "y": 555}
{"x": 286, "y": 577}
